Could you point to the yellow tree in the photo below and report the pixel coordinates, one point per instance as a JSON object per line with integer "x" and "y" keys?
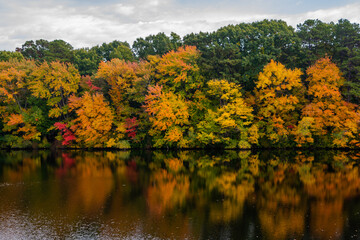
{"x": 55, "y": 82}
{"x": 278, "y": 95}
{"x": 94, "y": 120}
{"x": 168, "y": 114}
{"x": 327, "y": 118}
{"x": 13, "y": 81}
{"x": 119, "y": 75}
{"x": 230, "y": 122}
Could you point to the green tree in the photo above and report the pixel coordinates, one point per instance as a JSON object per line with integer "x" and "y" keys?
{"x": 239, "y": 52}
{"x": 43, "y": 50}
{"x": 114, "y": 49}
{"x": 158, "y": 44}
{"x": 86, "y": 61}
{"x": 347, "y": 57}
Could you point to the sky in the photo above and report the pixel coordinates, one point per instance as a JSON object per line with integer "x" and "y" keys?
{"x": 86, "y": 23}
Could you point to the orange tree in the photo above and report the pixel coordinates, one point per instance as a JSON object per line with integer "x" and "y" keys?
{"x": 175, "y": 83}
{"x": 327, "y": 120}
{"x": 23, "y": 121}
{"x": 169, "y": 116}
{"x": 93, "y": 122}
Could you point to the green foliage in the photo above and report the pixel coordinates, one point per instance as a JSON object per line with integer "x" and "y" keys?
{"x": 7, "y": 56}
{"x": 158, "y": 44}
{"x": 86, "y": 60}
{"x": 43, "y": 50}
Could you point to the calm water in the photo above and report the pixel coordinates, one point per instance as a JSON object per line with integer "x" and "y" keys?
{"x": 179, "y": 195}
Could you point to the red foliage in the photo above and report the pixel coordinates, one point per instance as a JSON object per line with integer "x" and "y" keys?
{"x": 131, "y": 171}
{"x": 67, "y": 160}
{"x": 131, "y": 124}
{"x": 88, "y": 81}
{"x": 66, "y": 133}
{"x": 91, "y": 86}
{"x": 67, "y": 163}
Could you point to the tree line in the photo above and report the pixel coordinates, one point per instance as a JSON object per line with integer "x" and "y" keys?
{"x": 261, "y": 84}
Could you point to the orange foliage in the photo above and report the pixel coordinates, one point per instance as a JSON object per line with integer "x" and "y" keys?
{"x": 28, "y": 131}
{"x": 168, "y": 113}
{"x": 178, "y": 70}
{"x": 94, "y": 119}
{"x": 327, "y": 114}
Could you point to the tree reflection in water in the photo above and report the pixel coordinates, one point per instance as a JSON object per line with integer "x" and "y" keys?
{"x": 188, "y": 194}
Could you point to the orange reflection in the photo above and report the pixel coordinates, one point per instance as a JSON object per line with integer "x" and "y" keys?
{"x": 166, "y": 191}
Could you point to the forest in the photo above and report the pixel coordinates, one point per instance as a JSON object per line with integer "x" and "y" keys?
{"x": 253, "y": 85}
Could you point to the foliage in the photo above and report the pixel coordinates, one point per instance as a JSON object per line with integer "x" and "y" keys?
{"x": 277, "y": 101}
{"x": 228, "y": 123}
{"x": 158, "y": 44}
{"x": 327, "y": 115}
{"x": 67, "y": 135}
{"x": 43, "y": 50}
{"x": 94, "y": 119}
{"x": 231, "y": 88}
{"x": 169, "y": 116}
{"x": 7, "y": 56}
{"x": 55, "y": 82}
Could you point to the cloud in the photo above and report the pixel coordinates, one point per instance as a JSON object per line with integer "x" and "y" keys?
{"x": 124, "y": 10}
{"x": 86, "y": 25}
{"x": 350, "y": 12}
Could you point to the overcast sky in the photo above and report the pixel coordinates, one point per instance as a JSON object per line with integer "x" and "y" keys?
{"x": 86, "y": 23}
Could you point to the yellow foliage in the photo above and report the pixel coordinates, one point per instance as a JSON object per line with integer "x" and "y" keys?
{"x": 13, "y": 77}
{"x": 232, "y": 117}
{"x": 277, "y": 101}
{"x": 55, "y": 82}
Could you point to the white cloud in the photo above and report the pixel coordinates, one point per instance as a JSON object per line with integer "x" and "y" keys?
{"x": 86, "y": 26}
{"x": 350, "y": 12}
{"x": 126, "y": 10}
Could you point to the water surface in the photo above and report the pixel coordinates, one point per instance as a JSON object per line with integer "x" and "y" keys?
{"x": 179, "y": 195}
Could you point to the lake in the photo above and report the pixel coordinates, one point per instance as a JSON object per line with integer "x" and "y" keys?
{"x": 179, "y": 195}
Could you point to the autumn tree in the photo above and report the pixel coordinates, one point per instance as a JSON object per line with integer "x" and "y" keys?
{"x": 93, "y": 122}
{"x": 126, "y": 84}
{"x": 21, "y": 119}
{"x": 14, "y": 80}
{"x": 278, "y": 95}
{"x": 228, "y": 121}
{"x": 169, "y": 116}
{"x": 119, "y": 75}
{"x": 55, "y": 82}
{"x": 16, "y": 124}
{"x": 178, "y": 70}
{"x": 327, "y": 120}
